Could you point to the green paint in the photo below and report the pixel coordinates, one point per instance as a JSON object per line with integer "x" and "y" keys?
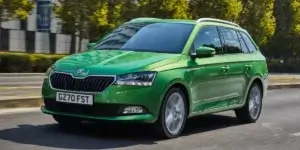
{"x": 209, "y": 88}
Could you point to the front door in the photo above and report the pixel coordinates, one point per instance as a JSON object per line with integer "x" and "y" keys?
{"x": 208, "y": 86}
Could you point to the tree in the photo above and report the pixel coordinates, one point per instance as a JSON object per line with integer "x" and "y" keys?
{"x": 176, "y": 9}
{"x": 221, "y": 9}
{"x": 78, "y": 16}
{"x": 257, "y": 17}
{"x": 295, "y": 11}
{"x": 284, "y": 43}
{"x": 15, "y": 9}
{"x": 129, "y": 10}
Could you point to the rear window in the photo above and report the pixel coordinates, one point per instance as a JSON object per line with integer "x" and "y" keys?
{"x": 249, "y": 43}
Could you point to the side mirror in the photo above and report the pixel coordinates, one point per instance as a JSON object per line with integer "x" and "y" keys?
{"x": 90, "y": 45}
{"x": 204, "y": 51}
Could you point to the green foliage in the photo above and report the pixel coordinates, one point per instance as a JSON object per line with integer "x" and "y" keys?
{"x": 257, "y": 17}
{"x": 291, "y": 65}
{"x": 295, "y": 7}
{"x": 12, "y": 9}
{"x": 274, "y": 24}
{"x": 23, "y": 62}
{"x": 222, "y": 9}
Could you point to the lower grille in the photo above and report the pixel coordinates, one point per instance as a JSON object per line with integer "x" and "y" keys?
{"x": 93, "y": 84}
{"x": 100, "y": 110}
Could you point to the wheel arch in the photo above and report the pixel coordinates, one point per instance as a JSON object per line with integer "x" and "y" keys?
{"x": 259, "y": 81}
{"x": 178, "y": 83}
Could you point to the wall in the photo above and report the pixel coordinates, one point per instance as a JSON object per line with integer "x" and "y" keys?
{"x": 22, "y": 36}
{"x": 38, "y": 42}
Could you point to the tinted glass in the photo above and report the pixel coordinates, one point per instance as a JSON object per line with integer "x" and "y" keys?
{"x": 243, "y": 44}
{"x": 151, "y": 37}
{"x": 249, "y": 43}
{"x": 231, "y": 41}
{"x": 209, "y": 37}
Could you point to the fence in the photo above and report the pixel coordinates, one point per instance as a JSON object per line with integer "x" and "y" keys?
{"x": 284, "y": 65}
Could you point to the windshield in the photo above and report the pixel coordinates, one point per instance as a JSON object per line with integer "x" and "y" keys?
{"x": 148, "y": 37}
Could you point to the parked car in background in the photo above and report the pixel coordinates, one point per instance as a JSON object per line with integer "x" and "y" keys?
{"x": 162, "y": 72}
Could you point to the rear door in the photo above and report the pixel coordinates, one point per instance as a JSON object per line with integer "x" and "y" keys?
{"x": 238, "y": 61}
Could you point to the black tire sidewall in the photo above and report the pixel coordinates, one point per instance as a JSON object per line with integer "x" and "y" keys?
{"x": 247, "y": 103}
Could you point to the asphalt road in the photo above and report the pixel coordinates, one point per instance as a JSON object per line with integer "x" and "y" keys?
{"x": 277, "y": 129}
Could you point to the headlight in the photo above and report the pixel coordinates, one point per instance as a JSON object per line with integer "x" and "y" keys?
{"x": 136, "y": 79}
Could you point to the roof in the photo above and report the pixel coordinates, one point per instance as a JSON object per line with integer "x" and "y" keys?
{"x": 200, "y": 20}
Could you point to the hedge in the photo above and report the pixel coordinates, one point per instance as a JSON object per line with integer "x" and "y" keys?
{"x": 284, "y": 65}
{"x": 11, "y": 62}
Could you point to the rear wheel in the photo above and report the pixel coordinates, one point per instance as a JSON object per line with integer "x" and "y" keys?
{"x": 173, "y": 114}
{"x": 66, "y": 121}
{"x": 252, "y": 109}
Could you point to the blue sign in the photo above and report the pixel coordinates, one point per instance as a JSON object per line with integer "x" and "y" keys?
{"x": 43, "y": 13}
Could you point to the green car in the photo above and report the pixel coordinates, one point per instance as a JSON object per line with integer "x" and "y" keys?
{"x": 161, "y": 72}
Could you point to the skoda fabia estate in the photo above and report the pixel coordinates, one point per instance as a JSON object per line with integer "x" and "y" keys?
{"x": 162, "y": 72}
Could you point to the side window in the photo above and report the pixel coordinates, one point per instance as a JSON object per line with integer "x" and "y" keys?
{"x": 248, "y": 42}
{"x": 209, "y": 36}
{"x": 231, "y": 41}
{"x": 243, "y": 44}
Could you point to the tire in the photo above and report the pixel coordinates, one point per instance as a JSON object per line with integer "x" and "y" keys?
{"x": 244, "y": 114}
{"x": 180, "y": 115}
{"x": 66, "y": 121}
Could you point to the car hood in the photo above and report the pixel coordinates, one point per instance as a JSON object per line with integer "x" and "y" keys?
{"x": 112, "y": 62}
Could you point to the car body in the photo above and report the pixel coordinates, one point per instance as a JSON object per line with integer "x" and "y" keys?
{"x": 160, "y": 71}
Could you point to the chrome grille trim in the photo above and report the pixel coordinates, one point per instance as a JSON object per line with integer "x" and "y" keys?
{"x": 85, "y": 84}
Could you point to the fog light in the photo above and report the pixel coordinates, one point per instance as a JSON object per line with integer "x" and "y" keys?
{"x": 133, "y": 110}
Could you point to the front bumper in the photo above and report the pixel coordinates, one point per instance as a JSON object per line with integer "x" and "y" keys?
{"x": 108, "y": 104}
{"x": 139, "y": 118}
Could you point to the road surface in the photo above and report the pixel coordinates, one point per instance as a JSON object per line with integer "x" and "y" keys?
{"x": 277, "y": 129}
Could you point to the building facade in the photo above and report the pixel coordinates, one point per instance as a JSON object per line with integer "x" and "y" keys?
{"x": 39, "y": 33}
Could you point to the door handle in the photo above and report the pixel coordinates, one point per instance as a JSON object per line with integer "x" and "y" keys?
{"x": 248, "y": 66}
{"x": 225, "y": 68}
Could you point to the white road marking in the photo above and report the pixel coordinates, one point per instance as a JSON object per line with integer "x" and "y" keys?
{"x": 296, "y": 134}
{"x": 18, "y": 110}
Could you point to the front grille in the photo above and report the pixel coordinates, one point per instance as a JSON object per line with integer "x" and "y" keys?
{"x": 89, "y": 84}
{"x": 100, "y": 110}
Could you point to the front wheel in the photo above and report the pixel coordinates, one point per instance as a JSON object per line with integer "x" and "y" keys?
{"x": 173, "y": 114}
{"x": 252, "y": 109}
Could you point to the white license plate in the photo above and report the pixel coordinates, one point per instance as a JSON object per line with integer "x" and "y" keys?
{"x": 74, "y": 98}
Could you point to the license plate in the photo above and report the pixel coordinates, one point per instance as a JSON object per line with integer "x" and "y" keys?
{"x": 74, "y": 98}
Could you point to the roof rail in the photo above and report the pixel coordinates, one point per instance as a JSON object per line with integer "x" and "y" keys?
{"x": 216, "y": 20}
{"x": 143, "y": 18}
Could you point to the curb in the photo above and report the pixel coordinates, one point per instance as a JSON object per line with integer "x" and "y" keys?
{"x": 281, "y": 86}
{"x": 21, "y": 103}
{"x": 38, "y": 102}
